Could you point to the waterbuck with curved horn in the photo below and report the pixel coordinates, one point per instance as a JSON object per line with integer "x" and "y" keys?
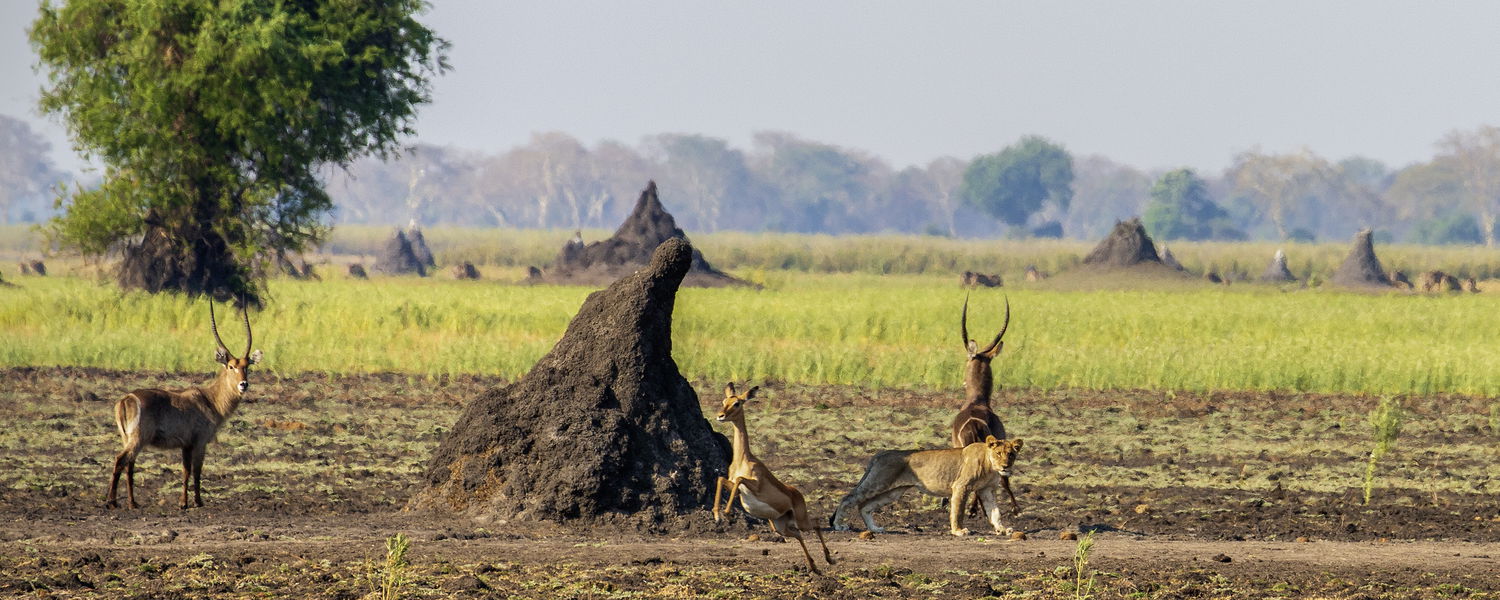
{"x": 975, "y": 421}
{"x": 181, "y": 419}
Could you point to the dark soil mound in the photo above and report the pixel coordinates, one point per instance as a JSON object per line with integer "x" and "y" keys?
{"x": 397, "y": 257}
{"x": 603, "y": 430}
{"x": 1277, "y": 272}
{"x": 419, "y": 247}
{"x": 629, "y": 249}
{"x": 466, "y": 270}
{"x": 357, "y": 271}
{"x": 1361, "y": 269}
{"x": 1126, "y": 246}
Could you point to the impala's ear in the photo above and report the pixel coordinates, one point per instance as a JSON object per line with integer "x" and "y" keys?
{"x": 751, "y": 394}
{"x": 255, "y": 357}
{"x": 729, "y": 390}
{"x": 221, "y": 356}
{"x": 990, "y": 439}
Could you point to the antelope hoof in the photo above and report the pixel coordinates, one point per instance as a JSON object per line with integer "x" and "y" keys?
{"x": 959, "y": 532}
{"x": 111, "y": 504}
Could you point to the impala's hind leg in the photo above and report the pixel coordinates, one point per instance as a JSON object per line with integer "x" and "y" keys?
{"x": 805, "y": 523}
{"x": 784, "y": 526}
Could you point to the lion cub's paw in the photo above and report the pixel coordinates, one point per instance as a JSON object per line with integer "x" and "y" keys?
{"x": 959, "y": 532}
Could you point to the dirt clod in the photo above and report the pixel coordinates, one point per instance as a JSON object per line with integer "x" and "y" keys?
{"x": 1067, "y": 535}
{"x": 1221, "y": 557}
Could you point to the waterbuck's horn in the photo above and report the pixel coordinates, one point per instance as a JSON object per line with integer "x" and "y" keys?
{"x": 213, "y": 323}
{"x": 249, "y": 339}
{"x": 963, "y": 322}
{"x": 1002, "y": 329}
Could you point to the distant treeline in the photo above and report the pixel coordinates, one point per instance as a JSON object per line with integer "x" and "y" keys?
{"x": 785, "y": 183}
{"x": 1034, "y": 188}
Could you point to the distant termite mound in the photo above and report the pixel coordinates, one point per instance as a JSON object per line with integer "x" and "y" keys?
{"x": 1277, "y": 271}
{"x": 419, "y": 248}
{"x": 602, "y": 430}
{"x": 397, "y": 257}
{"x": 1361, "y": 269}
{"x": 1127, "y": 245}
{"x": 647, "y": 227}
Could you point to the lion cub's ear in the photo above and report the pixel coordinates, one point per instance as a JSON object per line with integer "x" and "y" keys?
{"x": 751, "y": 394}
{"x": 990, "y": 439}
{"x": 1017, "y": 444}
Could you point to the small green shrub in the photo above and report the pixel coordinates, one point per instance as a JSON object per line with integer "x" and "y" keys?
{"x": 1386, "y": 420}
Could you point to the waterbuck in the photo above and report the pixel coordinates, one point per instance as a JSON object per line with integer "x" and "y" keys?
{"x": 182, "y": 419}
{"x": 975, "y": 421}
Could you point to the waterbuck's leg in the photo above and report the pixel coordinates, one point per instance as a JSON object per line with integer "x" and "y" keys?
{"x": 130, "y": 479}
{"x": 110, "y": 499}
{"x": 187, "y": 472}
{"x": 198, "y": 453}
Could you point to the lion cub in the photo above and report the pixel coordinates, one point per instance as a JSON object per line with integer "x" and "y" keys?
{"x": 956, "y": 473}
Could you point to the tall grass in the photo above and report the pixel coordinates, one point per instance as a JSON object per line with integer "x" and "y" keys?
{"x": 876, "y": 331}
{"x": 912, "y": 254}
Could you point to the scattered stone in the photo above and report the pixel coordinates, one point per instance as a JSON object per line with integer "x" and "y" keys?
{"x": 1302, "y": 539}
{"x": 754, "y": 537}
{"x": 867, "y": 535}
{"x": 1067, "y": 535}
{"x": 1141, "y": 509}
{"x": 1017, "y": 535}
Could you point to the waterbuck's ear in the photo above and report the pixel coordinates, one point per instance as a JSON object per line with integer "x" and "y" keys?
{"x": 729, "y": 390}
{"x": 221, "y": 356}
{"x": 751, "y": 394}
{"x": 990, "y": 439}
{"x": 255, "y": 357}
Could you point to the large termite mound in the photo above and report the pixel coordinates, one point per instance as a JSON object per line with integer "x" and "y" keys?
{"x": 419, "y": 249}
{"x": 1127, "y": 245}
{"x": 648, "y": 225}
{"x": 1361, "y": 269}
{"x": 603, "y": 430}
{"x": 1277, "y": 271}
{"x": 397, "y": 257}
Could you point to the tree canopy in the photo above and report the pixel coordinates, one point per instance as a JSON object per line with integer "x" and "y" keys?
{"x": 1180, "y": 208}
{"x": 1016, "y": 182}
{"x": 212, "y": 120}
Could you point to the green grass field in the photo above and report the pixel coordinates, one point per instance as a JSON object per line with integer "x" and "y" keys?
{"x": 853, "y": 329}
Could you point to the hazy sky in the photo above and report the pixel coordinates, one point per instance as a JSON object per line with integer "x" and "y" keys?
{"x": 1152, "y": 84}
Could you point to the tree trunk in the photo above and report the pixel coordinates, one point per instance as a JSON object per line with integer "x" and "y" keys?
{"x": 1487, "y": 221}
{"x": 184, "y": 253}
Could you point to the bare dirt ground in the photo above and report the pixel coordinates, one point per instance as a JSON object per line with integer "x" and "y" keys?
{"x": 1188, "y": 495}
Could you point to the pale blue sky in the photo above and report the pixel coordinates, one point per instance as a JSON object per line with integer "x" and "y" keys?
{"x": 1152, "y": 84}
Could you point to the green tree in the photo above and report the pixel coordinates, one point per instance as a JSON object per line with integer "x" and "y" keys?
{"x": 213, "y": 118}
{"x": 1181, "y": 209}
{"x": 1016, "y": 182}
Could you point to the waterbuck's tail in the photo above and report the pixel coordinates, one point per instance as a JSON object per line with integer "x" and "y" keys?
{"x": 127, "y": 415}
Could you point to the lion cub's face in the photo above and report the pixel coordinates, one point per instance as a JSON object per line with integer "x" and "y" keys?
{"x": 1002, "y": 454}
{"x": 734, "y": 405}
